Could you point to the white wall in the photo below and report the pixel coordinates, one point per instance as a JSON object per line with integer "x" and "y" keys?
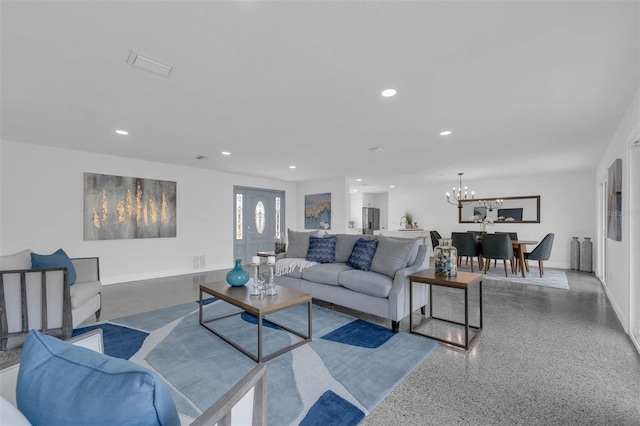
{"x": 566, "y": 208}
{"x": 619, "y": 253}
{"x": 340, "y": 201}
{"x": 43, "y": 200}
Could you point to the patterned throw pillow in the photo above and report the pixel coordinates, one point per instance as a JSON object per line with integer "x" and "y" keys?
{"x": 362, "y": 254}
{"x": 322, "y": 250}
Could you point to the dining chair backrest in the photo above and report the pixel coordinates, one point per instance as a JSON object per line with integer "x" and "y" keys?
{"x": 465, "y": 243}
{"x": 512, "y": 235}
{"x": 543, "y": 250}
{"x": 497, "y": 246}
{"x": 435, "y": 238}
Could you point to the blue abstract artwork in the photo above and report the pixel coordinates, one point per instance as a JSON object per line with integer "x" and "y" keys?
{"x": 317, "y": 211}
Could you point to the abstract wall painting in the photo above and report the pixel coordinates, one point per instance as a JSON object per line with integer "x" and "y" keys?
{"x": 317, "y": 211}
{"x": 119, "y": 207}
{"x": 614, "y": 202}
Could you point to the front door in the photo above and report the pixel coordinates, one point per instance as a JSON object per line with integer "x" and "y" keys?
{"x": 258, "y": 217}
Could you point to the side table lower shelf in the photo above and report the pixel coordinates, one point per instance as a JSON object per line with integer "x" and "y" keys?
{"x": 462, "y": 281}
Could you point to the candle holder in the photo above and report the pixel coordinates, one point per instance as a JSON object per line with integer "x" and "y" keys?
{"x": 270, "y": 289}
{"x": 255, "y": 287}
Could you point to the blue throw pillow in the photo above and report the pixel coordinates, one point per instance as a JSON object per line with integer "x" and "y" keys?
{"x": 322, "y": 250}
{"x": 362, "y": 254}
{"x": 63, "y": 384}
{"x": 58, "y": 259}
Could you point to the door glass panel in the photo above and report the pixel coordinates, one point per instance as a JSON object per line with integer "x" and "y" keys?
{"x": 278, "y": 217}
{"x": 260, "y": 217}
{"x": 238, "y": 216}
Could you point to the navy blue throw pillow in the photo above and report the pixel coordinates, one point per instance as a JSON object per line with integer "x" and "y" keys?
{"x": 362, "y": 254}
{"x": 322, "y": 250}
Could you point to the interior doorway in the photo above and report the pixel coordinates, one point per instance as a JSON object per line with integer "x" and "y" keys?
{"x": 258, "y": 216}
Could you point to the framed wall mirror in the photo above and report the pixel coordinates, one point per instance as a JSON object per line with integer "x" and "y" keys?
{"x": 513, "y": 210}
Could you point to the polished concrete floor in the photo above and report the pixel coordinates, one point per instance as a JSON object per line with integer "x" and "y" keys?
{"x": 545, "y": 356}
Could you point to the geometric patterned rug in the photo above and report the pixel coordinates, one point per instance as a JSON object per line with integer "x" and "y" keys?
{"x": 336, "y": 379}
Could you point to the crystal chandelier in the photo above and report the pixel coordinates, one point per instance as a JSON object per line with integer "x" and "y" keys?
{"x": 491, "y": 204}
{"x": 459, "y": 196}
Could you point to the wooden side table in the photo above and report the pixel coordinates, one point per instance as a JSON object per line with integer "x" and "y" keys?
{"x": 463, "y": 280}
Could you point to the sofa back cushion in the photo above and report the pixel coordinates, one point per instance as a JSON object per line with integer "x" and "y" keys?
{"x": 298, "y": 244}
{"x": 344, "y": 246}
{"x": 16, "y": 261}
{"x": 362, "y": 254}
{"x": 60, "y": 383}
{"x": 322, "y": 250}
{"x": 393, "y": 254}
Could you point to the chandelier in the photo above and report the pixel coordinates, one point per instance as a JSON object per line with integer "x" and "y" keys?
{"x": 491, "y": 204}
{"x": 459, "y": 196}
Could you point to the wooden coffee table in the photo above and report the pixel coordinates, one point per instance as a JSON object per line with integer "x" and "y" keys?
{"x": 463, "y": 280}
{"x": 258, "y": 306}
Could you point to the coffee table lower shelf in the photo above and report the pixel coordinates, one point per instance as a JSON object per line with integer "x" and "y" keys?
{"x": 236, "y": 296}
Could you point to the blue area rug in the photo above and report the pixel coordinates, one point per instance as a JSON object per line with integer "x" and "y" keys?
{"x": 336, "y": 379}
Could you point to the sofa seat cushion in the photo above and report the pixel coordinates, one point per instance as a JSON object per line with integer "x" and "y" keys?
{"x": 63, "y": 384}
{"x": 81, "y": 293}
{"x": 393, "y": 254}
{"x": 325, "y": 273}
{"x": 370, "y": 283}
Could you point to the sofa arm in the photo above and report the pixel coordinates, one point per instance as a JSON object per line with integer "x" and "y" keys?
{"x": 421, "y": 262}
{"x": 399, "y": 297}
{"x": 87, "y": 269}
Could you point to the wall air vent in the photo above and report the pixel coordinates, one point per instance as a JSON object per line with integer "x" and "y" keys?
{"x": 143, "y": 62}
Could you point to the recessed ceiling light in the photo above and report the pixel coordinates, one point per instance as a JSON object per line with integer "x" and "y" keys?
{"x": 358, "y": 180}
{"x": 387, "y": 93}
{"x": 355, "y": 190}
{"x": 292, "y": 167}
{"x": 122, "y": 132}
{"x": 392, "y": 186}
{"x": 225, "y": 153}
{"x": 445, "y": 133}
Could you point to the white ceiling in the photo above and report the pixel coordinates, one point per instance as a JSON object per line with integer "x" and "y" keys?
{"x": 525, "y": 86}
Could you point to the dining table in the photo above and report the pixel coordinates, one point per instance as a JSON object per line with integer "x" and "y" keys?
{"x": 520, "y": 246}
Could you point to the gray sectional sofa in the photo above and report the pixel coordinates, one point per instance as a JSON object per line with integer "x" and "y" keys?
{"x": 383, "y": 290}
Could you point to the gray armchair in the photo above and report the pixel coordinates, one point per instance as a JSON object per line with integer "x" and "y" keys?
{"x": 467, "y": 245}
{"x": 541, "y": 252}
{"x": 497, "y": 246}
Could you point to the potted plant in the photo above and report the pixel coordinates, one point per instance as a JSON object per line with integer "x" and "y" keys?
{"x": 409, "y": 218}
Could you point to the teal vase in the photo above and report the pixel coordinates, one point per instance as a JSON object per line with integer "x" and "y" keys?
{"x": 237, "y": 277}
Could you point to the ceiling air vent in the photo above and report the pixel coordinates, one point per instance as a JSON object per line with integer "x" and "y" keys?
{"x": 200, "y": 157}
{"x": 143, "y": 62}
{"x": 376, "y": 149}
